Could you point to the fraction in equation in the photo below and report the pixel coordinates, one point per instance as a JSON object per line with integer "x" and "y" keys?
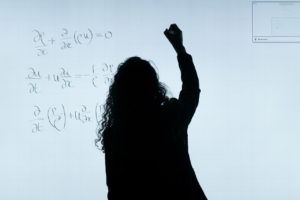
{"x": 57, "y": 116}
{"x": 66, "y": 39}
{"x": 99, "y": 75}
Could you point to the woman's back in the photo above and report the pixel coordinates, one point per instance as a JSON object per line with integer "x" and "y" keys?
{"x": 145, "y": 133}
{"x": 150, "y": 159}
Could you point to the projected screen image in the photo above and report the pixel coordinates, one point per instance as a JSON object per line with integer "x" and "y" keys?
{"x": 276, "y": 21}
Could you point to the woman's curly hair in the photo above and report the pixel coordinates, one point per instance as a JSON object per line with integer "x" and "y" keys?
{"x": 135, "y": 85}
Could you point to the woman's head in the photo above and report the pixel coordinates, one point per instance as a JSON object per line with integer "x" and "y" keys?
{"x": 135, "y": 83}
{"x": 135, "y": 90}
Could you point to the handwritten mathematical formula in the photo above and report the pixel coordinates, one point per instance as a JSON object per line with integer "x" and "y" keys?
{"x": 58, "y": 116}
{"x": 97, "y": 75}
{"x": 41, "y": 80}
{"x": 65, "y": 39}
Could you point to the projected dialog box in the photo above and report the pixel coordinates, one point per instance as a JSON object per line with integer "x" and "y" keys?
{"x": 275, "y": 21}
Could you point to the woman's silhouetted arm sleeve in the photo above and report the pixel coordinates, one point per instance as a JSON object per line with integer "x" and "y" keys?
{"x": 190, "y": 91}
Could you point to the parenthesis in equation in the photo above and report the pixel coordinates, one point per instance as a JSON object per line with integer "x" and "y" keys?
{"x": 76, "y": 38}
{"x": 54, "y": 124}
{"x": 94, "y": 81}
{"x": 98, "y": 114}
{"x": 65, "y": 117}
{"x": 92, "y": 35}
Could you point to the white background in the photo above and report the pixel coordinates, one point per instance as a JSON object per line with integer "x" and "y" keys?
{"x": 243, "y": 140}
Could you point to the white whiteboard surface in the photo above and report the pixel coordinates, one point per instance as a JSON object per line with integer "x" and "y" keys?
{"x": 57, "y": 58}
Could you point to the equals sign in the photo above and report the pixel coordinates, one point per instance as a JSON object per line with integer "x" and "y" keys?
{"x": 99, "y": 34}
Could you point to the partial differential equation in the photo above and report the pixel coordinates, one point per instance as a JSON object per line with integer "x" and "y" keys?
{"x": 64, "y": 79}
{"x": 65, "y": 39}
{"x": 58, "y": 117}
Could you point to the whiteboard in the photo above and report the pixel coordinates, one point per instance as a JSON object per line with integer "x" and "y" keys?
{"x": 58, "y": 59}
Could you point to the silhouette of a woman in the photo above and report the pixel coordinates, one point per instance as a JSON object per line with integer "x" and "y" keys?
{"x": 144, "y": 133}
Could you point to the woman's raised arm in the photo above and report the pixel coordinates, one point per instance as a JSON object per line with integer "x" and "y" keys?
{"x": 190, "y": 91}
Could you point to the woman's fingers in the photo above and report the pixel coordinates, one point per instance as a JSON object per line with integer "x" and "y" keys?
{"x": 174, "y": 29}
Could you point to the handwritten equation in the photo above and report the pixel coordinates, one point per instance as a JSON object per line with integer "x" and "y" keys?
{"x": 66, "y": 39}
{"x": 99, "y": 74}
{"x": 58, "y": 116}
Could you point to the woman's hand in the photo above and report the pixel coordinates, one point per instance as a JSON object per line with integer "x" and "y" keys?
{"x": 174, "y": 35}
